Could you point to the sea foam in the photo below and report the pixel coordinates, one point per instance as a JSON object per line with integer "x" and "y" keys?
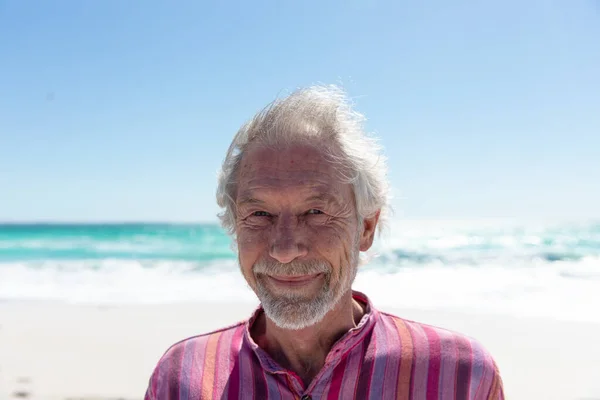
{"x": 545, "y": 271}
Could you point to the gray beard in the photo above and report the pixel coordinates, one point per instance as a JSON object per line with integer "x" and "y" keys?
{"x": 294, "y": 310}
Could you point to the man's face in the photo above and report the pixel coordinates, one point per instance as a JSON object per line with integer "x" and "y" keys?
{"x": 297, "y": 231}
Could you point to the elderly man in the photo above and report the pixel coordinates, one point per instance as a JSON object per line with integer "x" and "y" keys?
{"x": 303, "y": 192}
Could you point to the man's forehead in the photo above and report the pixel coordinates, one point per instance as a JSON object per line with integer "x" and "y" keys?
{"x": 301, "y": 171}
{"x": 290, "y": 158}
{"x": 261, "y": 194}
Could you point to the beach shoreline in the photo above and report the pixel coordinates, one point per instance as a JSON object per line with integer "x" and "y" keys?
{"x": 66, "y": 351}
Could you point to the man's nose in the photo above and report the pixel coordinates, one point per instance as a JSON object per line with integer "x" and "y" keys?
{"x": 288, "y": 241}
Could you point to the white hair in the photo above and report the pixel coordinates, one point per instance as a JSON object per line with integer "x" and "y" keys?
{"x": 320, "y": 115}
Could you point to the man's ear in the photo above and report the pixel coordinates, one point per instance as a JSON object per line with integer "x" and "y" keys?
{"x": 368, "y": 231}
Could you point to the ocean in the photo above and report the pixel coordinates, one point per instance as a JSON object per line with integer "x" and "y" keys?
{"x": 539, "y": 270}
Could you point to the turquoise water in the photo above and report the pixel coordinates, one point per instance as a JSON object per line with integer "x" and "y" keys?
{"x": 205, "y": 243}
{"x": 537, "y": 269}
{"x": 117, "y": 241}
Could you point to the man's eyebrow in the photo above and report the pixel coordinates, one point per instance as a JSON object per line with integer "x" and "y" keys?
{"x": 324, "y": 197}
{"x": 247, "y": 198}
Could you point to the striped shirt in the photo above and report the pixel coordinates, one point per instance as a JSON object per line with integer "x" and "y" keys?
{"x": 383, "y": 357}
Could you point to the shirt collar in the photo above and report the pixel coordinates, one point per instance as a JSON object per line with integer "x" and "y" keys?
{"x": 346, "y": 343}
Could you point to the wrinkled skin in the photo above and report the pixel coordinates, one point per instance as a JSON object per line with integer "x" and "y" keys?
{"x": 296, "y": 219}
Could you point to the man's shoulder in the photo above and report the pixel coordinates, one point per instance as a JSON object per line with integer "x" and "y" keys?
{"x": 443, "y": 344}
{"x": 199, "y": 344}
{"x": 182, "y": 363}
{"x": 196, "y": 348}
{"x": 433, "y": 349}
{"x": 421, "y": 332}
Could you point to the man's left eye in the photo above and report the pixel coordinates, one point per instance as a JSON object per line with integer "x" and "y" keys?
{"x": 314, "y": 211}
{"x": 260, "y": 214}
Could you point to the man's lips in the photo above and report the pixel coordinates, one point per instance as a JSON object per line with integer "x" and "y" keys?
{"x": 294, "y": 280}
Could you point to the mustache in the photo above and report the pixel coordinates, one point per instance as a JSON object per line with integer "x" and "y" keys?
{"x": 294, "y": 268}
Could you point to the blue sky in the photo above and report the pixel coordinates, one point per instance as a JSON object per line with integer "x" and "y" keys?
{"x": 110, "y": 110}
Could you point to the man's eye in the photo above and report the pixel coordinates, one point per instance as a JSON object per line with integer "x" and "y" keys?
{"x": 260, "y": 214}
{"x": 314, "y": 211}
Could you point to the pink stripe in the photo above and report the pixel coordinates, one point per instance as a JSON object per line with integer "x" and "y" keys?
{"x": 200, "y": 350}
{"x": 222, "y": 362}
{"x": 181, "y": 374}
{"x": 233, "y": 391}
{"x": 448, "y": 365}
{"x": 433, "y": 375}
{"x": 420, "y": 362}
{"x": 350, "y": 380}
{"x": 392, "y": 366}
{"x": 154, "y": 383}
{"x": 336, "y": 382}
{"x": 169, "y": 371}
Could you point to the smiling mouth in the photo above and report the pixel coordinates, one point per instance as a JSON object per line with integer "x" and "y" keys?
{"x": 294, "y": 280}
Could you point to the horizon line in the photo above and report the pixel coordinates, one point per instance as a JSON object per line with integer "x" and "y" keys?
{"x": 106, "y": 222}
{"x": 589, "y": 219}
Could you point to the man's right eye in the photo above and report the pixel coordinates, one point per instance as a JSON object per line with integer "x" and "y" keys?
{"x": 260, "y": 214}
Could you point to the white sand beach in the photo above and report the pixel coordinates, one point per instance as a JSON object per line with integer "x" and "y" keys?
{"x": 59, "y": 351}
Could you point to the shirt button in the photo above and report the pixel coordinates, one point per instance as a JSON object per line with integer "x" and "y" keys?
{"x": 306, "y": 397}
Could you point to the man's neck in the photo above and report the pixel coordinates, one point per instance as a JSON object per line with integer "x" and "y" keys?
{"x": 304, "y": 351}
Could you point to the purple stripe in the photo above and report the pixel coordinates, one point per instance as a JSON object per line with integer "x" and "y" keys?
{"x": 420, "y": 361}
{"x": 174, "y": 368}
{"x": 273, "y": 383}
{"x": 335, "y": 386}
{"x": 368, "y": 364}
{"x": 260, "y": 380}
{"x": 489, "y": 373}
{"x": 463, "y": 367}
{"x": 187, "y": 369}
{"x": 246, "y": 373}
{"x": 477, "y": 367}
{"x": 351, "y": 372}
{"x": 448, "y": 365}
{"x": 162, "y": 377}
{"x": 322, "y": 387}
{"x": 381, "y": 359}
{"x": 323, "y": 391}
{"x": 283, "y": 391}
{"x": 161, "y": 382}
